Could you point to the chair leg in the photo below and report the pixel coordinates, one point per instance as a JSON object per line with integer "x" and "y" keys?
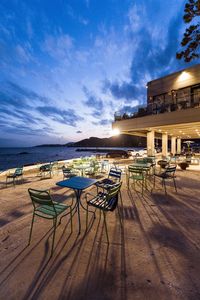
{"x": 71, "y": 219}
{"x": 142, "y": 187}
{"x": 54, "y": 233}
{"x": 104, "y": 217}
{"x": 87, "y": 217}
{"x": 163, "y": 181}
{"x": 175, "y": 184}
{"x": 30, "y": 234}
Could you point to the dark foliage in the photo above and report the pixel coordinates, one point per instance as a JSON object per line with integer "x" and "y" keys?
{"x": 191, "y": 37}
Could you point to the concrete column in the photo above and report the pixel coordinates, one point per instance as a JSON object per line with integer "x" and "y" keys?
{"x": 173, "y": 145}
{"x": 178, "y": 146}
{"x": 164, "y": 144}
{"x": 150, "y": 143}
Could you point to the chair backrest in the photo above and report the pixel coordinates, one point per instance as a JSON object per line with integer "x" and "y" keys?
{"x": 115, "y": 174}
{"x": 46, "y": 168}
{"x": 112, "y": 196}
{"x": 150, "y": 160}
{"x": 136, "y": 170}
{"x": 40, "y": 197}
{"x": 170, "y": 170}
{"x": 67, "y": 172}
{"x": 19, "y": 171}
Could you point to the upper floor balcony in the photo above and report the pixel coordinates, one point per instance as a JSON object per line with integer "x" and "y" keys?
{"x": 161, "y": 107}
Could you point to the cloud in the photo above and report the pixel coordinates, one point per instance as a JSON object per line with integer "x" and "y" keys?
{"x": 134, "y": 17}
{"x": 67, "y": 117}
{"x": 18, "y": 96}
{"x": 23, "y": 54}
{"x": 58, "y": 46}
{"x": 128, "y": 109}
{"x": 76, "y": 16}
{"x": 151, "y": 58}
{"x": 93, "y": 102}
{"x": 103, "y": 122}
{"x": 78, "y": 131}
{"x": 123, "y": 90}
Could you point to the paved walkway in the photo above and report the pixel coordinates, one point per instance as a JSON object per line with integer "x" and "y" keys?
{"x": 155, "y": 254}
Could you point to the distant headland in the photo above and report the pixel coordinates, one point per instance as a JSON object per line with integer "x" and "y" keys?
{"x": 122, "y": 140}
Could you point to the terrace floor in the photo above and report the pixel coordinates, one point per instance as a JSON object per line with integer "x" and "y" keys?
{"x": 154, "y": 254}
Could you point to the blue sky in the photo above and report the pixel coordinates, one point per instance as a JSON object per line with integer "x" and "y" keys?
{"x": 67, "y": 66}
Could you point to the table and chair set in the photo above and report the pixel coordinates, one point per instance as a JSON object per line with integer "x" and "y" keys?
{"x": 144, "y": 170}
{"x": 105, "y": 199}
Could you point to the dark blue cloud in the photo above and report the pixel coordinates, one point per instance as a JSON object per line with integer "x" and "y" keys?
{"x": 27, "y": 130}
{"x": 124, "y": 90}
{"x": 67, "y": 117}
{"x": 17, "y": 96}
{"x": 94, "y": 102}
{"x": 128, "y": 109}
{"x": 151, "y": 60}
{"x": 103, "y": 122}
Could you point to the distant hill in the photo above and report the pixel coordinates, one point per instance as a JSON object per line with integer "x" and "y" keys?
{"x": 55, "y": 145}
{"x": 123, "y": 140}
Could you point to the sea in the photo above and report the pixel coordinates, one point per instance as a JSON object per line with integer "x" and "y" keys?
{"x": 18, "y": 157}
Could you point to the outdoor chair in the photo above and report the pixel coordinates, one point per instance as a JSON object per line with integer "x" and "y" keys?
{"x": 114, "y": 177}
{"x": 68, "y": 172}
{"x": 46, "y": 170}
{"x": 45, "y": 207}
{"x": 94, "y": 169}
{"x": 136, "y": 174}
{"x": 105, "y": 201}
{"x": 18, "y": 174}
{"x": 167, "y": 174}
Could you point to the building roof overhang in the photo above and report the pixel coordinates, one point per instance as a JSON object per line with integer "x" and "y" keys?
{"x": 184, "y": 124}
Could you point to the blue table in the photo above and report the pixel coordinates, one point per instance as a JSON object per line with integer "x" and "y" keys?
{"x": 78, "y": 184}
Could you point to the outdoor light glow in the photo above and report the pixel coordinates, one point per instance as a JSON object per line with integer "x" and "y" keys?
{"x": 184, "y": 76}
{"x": 115, "y": 132}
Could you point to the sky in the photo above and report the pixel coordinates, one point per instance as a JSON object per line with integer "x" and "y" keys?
{"x": 68, "y": 65}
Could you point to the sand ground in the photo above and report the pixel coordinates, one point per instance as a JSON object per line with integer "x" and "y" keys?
{"x": 154, "y": 252}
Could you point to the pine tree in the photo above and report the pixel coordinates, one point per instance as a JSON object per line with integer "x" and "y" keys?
{"x": 191, "y": 37}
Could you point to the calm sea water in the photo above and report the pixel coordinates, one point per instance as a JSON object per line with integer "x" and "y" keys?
{"x": 17, "y": 157}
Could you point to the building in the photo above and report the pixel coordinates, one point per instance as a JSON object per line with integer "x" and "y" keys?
{"x": 172, "y": 111}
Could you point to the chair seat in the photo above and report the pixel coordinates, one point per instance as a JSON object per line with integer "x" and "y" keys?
{"x": 69, "y": 175}
{"x": 100, "y": 202}
{"x": 164, "y": 175}
{"x": 11, "y": 176}
{"x": 49, "y": 210}
{"x": 105, "y": 182}
{"x": 136, "y": 177}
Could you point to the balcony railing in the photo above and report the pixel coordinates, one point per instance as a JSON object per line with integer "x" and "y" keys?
{"x": 181, "y": 103}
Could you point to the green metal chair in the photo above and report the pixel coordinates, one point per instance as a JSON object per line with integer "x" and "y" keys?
{"x": 136, "y": 174}
{"x": 93, "y": 170}
{"x": 106, "y": 202}
{"x": 68, "y": 172}
{"x": 45, "y": 207}
{"x": 18, "y": 174}
{"x": 46, "y": 170}
{"x": 167, "y": 174}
